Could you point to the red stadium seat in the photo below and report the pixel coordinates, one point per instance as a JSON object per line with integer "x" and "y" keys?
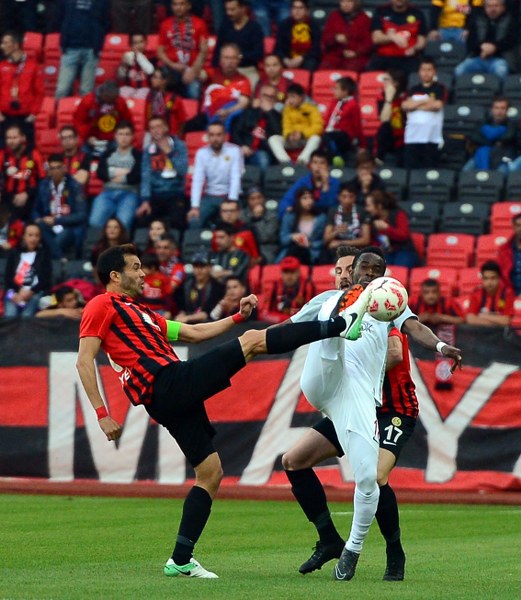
{"x": 370, "y": 84}
{"x": 501, "y": 217}
{"x": 400, "y": 273}
{"x": 195, "y": 140}
{"x": 212, "y": 40}
{"x": 95, "y": 185}
{"x": 323, "y": 276}
{"x": 50, "y": 77}
{"x": 324, "y": 81}
{"x": 269, "y": 45}
{"x": 51, "y": 46}
{"x": 468, "y": 280}
{"x": 418, "y": 240}
{"x": 446, "y": 277}
{"x": 152, "y": 45}
{"x": 191, "y": 107}
{"x": 370, "y": 118}
{"x": 47, "y": 142}
{"x": 45, "y": 118}
{"x": 33, "y": 45}
{"x": 454, "y": 250}
{"x": 66, "y": 110}
{"x": 107, "y": 69}
{"x": 254, "y": 279}
{"x": 487, "y": 247}
{"x": 115, "y": 45}
{"x": 300, "y": 76}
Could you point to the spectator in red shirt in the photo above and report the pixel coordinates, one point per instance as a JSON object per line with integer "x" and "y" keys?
{"x": 135, "y": 69}
{"x": 11, "y": 230}
{"x": 390, "y": 134}
{"x": 76, "y": 160}
{"x": 164, "y": 103}
{"x": 343, "y": 128}
{"x": 493, "y": 304}
{"x": 98, "y": 114}
{"x": 227, "y": 92}
{"x": 183, "y": 46}
{"x": 169, "y": 263}
{"x": 346, "y": 38}
{"x": 390, "y": 229}
{"x": 157, "y": 292}
{"x": 21, "y": 169}
{"x": 21, "y": 87}
{"x": 243, "y": 237}
{"x": 289, "y": 293}
{"x": 273, "y": 74}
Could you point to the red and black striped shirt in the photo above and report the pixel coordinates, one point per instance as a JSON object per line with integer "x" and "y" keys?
{"x": 134, "y": 339}
{"x": 399, "y": 391}
{"x": 21, "y": 173}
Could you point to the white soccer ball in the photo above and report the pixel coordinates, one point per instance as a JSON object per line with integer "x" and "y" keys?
{"x": 388, "y": 299}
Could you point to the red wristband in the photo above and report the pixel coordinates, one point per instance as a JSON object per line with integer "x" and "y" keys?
{"x": 238, "y": 318}
{"x": 101, "y": 412}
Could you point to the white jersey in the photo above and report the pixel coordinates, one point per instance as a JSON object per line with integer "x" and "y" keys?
{"x": 344, "y": 378}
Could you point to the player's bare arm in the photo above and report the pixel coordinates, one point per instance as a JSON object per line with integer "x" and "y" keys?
{"x": 89, "y": 348}
{"x": 425, "y": 336}
{"x": 206, "y": 331}
{"x": 394, "y": 352}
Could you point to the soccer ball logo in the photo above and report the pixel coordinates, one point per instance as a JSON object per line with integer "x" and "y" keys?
{"x": 388, "y": 299}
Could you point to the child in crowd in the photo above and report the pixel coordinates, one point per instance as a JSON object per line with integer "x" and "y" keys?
{"x": 135, "y": 69}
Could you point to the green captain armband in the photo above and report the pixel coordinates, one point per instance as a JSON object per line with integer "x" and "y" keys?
{"x": 172, "y": 330}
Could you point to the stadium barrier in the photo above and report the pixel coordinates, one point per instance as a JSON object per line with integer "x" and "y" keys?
{"x": 467, "y": 439}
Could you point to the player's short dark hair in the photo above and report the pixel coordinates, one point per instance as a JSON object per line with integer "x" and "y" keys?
{"x": 490, "y": 265}
{"x": 295, "y": 88}
{"x": 56, "y": 157}
{"x": 348, "y": 84}
{"x": 113, "y": 259}
{"x": 431, "y": 282}
{"x": 370, "y": 250}
{"x": 346, "y": 250}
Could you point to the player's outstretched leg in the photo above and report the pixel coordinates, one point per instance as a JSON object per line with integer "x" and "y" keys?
{"x": 388, "y": 519}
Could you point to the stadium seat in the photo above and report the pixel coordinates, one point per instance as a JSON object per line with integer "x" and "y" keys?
{"x": 395, "y": 180}
{"x": 370, "y": 117}
{"x": 250, "y": 177}
{"x": 300, "y": 76}
{"x": 137, "y": 107}
{"x": 152, "y": 45}
{"x": 95, "y": 184}
{"x": 477, "y": 88}
{"x": 501, "y": 217}
{"x": 400, "y": 273}
{"x": 254, "y": 279}
{"x": 446, "y": 54}
{"x": 465, "y": 217}
{"x": 324, "y": 81}
{"x": 446, "y": 276}
{"x": 455, "y": 250}
{"x": 269, "y": 45}
{"x": 195, "y": 140}
{"x": 323, "y": 276}
{"x": 33, "y": 45}
{"x": 191, "y": 107}
{"x": 45, "y": 118}
{"x": 269, "y": 251}
{"x": 51, "y": 46}
{"x": 460, "y": 120}
{"x": 212, "y": 40}
{"x": 140, "y": 237}
{"x": 370, "y": 84}
{"x": 107, "y": 69}
{"x": 468, "y": 280}
{"x": 431, "y": 184}
{"x": 512, "y": 88}
{"x": 481, "y": 186}
{"x": 423, "y": 216}
{"x": 279, "y": 178}
{"x": 418, "y": 239}
{"x": 47, "y": 142}
{"x": 195, "y": 240}
{"x": 345, "y": 174}
{"x": 115, "y": 45}
{"x": 487, "y": 247}
{"x": 66, "y": 109}
{"x": 513, "y": 186}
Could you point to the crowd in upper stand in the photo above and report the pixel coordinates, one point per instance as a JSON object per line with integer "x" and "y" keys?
{"x": 223, "y": 137}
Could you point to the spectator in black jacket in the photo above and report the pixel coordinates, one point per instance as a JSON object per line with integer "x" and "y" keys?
{"x": 121, "y": 170}
{"x": 60, "y": 209}
{"x": 83, "y": 26}
{"x": 255, "y": 126}
{"x": 298, "y": 38}
{"x": 239, "y": 29}
{"x": 492, "y": 42}
{"x": 28, "y": 274}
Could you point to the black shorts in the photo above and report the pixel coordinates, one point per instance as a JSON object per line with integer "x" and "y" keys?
{"x": 179, "y": 393}
{"x": 395, "y": 430}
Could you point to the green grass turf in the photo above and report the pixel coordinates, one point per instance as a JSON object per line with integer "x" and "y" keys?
{"x": 55, "y": 547}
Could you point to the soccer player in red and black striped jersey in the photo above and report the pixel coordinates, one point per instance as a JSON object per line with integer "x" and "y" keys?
{"x": 137, "y": 342}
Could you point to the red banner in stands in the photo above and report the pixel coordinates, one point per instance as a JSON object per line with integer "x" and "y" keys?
{"x": 467, "y": 438}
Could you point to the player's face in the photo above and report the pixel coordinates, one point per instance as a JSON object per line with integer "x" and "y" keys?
{"x": 344, "y": 272}
{"x": 347, "y": 6}
{"x": 490, "y": 281}
{"x": 132, "y": 280}
{"x": 430, "y": 294}
{"x": 368, "y": 267}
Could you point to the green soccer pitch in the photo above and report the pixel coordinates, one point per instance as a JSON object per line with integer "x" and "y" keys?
{"x": 63, "y": 547}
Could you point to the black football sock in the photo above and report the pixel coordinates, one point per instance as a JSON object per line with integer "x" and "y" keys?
{"x": 291, "y": 336}
{"x": 196, "y": 511}
{"x": 388, "y": 517}
{"x": 309, "y": 493}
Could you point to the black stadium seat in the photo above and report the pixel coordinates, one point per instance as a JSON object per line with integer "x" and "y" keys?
{"x": 423, "y": 216}
{"x": 465, "y": 217}
{"x": 480, "y": 186}
{"x": 431, "y": 184}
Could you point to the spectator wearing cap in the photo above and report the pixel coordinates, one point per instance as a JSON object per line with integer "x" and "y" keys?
{"x": 288, "y": 294}
{"x": 82, "y": 27}
{"x": 21, "y": 87}
{"x": 262, "y": 217}
{"x": 218, "y": 169}
{"x": 227, "y": 259}
{"x": 243, "y": 236}
{"x": 60, "y": 209}
{"x": 200, "y": 292}
{"x": 98, "y": 114}
{"x": 510, "y": 257}
{"x": 324, "y": 187}
{"x": 302, "y": 230}
{"x": 255, "y": 126}
{"x": 492, "y": 305}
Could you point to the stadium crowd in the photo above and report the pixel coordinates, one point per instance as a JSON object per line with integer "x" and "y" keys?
{"x": 239, "y": 148}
